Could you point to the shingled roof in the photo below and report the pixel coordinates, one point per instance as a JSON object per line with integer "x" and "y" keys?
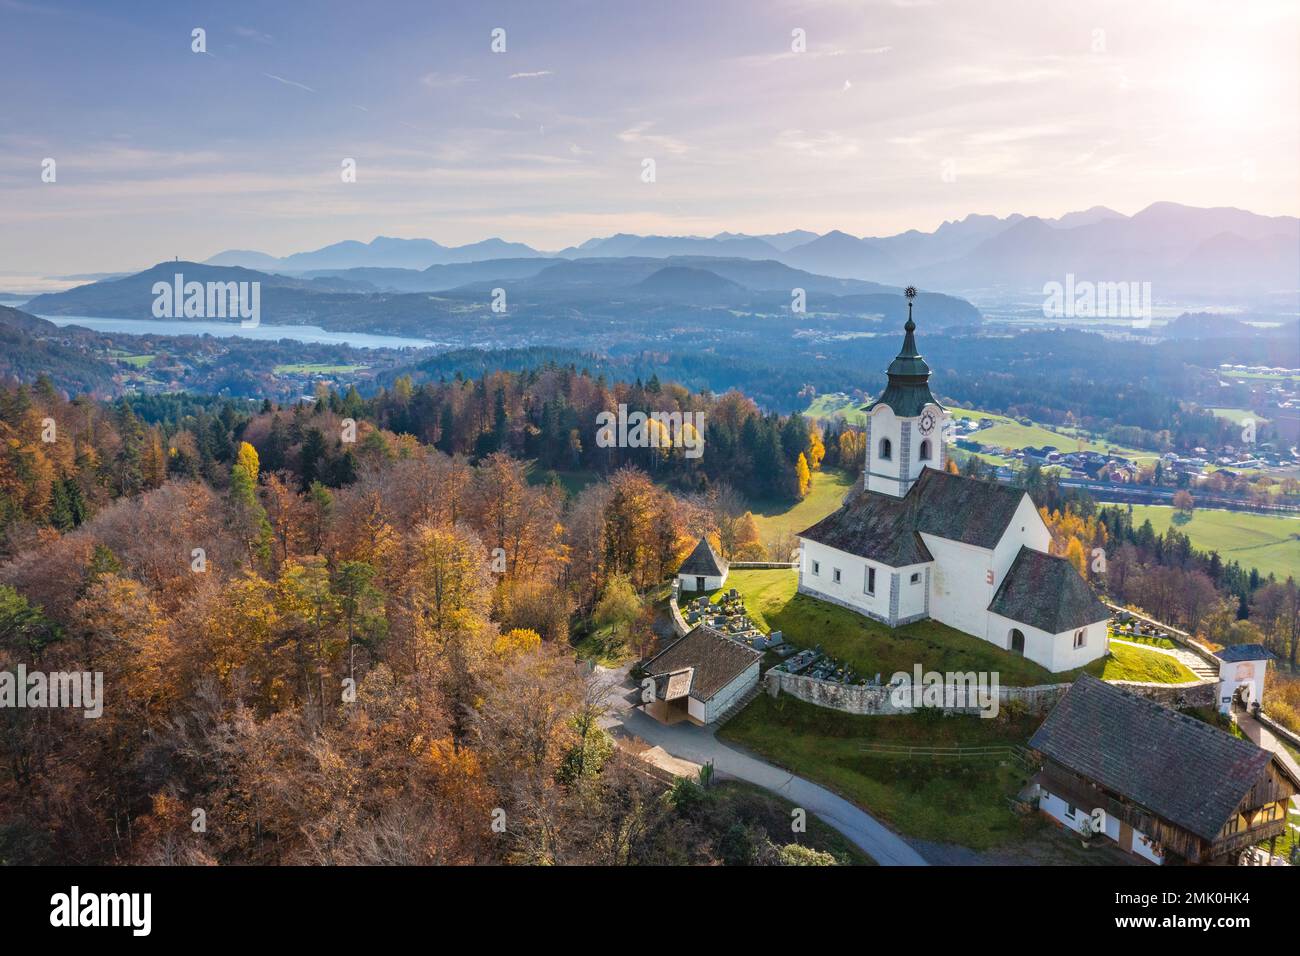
{"x": 703, "y": 560}
{"x": 1178, "y": 768}
{"x": 1047, "y": 592}
{"x": 714, "y": 659}
{"x": 1244, "y": 652}
{"x": 887, "y": 529}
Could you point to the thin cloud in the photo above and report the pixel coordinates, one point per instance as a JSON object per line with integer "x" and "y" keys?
{"x": 444, "y": 81}
{"x": 248, "y": 33}
{"x": 530, "y": 76}
{"x": 639, "y": 135}
{"x": 281, "y": 79}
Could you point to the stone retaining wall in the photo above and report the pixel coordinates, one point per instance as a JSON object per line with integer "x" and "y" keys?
{"x": 1290, "y": 736}
{"x": 875, "y": 700}
{"x": 680, "y": 627}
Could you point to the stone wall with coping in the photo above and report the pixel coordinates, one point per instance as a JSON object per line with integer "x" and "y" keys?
{"x": 875, "y": 700}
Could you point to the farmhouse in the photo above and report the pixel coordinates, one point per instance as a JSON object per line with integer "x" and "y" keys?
{"x": 912, "y": 541}
{"x": 699, "y": 676}
{"x": 703, "y": 570}
{"x": 1169, "y": 785}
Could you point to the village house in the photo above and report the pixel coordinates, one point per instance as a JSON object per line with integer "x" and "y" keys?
{"x": 1168, "y": 785}
{"x": 700, "y": 676}
{"x": 912, "y": 541}
{"x": 703, "y": 570}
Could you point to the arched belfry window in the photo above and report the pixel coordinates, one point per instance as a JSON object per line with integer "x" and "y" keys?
{"x": 925, "y": 449}
{"x": 886, "y": 449}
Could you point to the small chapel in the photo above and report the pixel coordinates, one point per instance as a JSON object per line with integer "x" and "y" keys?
{"x": 912, "y": 541}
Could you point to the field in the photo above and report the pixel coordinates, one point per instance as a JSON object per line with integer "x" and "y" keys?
{"x": 870, "y": 647}
{"x": 1270, "y": 543}
{"x": 775, "y": 518}
{"x": 1007, "y": 432}
{"x": 1235, "y": 414}
{"x": 960, "y": 801}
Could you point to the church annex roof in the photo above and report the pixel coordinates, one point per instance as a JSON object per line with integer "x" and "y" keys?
{"x": 887, "y": 529}
{"x": 703, "y": 560}
{"x": 1048, "y": 593}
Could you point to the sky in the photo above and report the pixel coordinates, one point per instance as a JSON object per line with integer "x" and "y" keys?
{"x": 896, "y": 114}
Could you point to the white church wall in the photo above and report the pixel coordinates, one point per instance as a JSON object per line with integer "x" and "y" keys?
{"x": 1056, "y": 652}
{"x": 960, "y": 591}
{"x": 817, "y": 566}
{"x": 1026, "y": 528}
{"x": 1065, "y": 656}
{"x": 911, "y": 594}
{"x": 1039, "y": 645}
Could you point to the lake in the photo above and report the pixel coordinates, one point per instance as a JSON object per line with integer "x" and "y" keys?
{"x": 298, "y": 333}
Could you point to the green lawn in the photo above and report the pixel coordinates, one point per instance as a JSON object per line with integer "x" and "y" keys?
{"x": 1235, "y": 414}
{"x": 1270, "y": 543}
{"x": 777, "y": 517}
{"x": 136, "y": 361}
{"x": 1147, "y": 640}
{"x": 960, "y": 801}
{"x": 1007, "y": 432}
{"x": 1137, "y": 664}
{"x": 870, "y": 647}
{"x": 836, "y": 405}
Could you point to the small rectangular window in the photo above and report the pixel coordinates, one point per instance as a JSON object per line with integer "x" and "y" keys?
{"x": 835, "y": 575}
{"x": 1069, "y": 810}
{"x": 1080, "y": 638}
{"x": 871, "y": 580}
{"x": 817, "y": 568}
{"x": 916, "y": 577}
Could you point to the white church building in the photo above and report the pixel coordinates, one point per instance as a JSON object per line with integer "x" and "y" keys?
{"x": 912, "y": 541}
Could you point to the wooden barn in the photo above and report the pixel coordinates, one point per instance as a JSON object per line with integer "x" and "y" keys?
{"x": 1172, "y": 788}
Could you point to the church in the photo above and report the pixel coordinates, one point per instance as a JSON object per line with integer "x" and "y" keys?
{"x": 912, "y": 541}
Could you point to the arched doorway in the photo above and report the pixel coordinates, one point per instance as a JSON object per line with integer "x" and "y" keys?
{"x": 1017, "y": 641}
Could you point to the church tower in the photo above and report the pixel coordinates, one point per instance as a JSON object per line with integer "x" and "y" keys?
{"x": 905, "y": 424}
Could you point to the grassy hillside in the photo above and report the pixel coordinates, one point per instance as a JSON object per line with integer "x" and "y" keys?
{"x": 828, "y": 490}
{"x": 870, "y": 647}
{"x": 1270, "y": 543}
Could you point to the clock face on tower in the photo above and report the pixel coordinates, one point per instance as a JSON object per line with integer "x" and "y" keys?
{"x": 927, "y": 423}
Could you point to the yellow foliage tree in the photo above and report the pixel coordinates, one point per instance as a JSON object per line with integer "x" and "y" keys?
{"x": 803, "y": 476}
{"x": 816, "y": 449}
{"x": 519, "y": 640}
{"x": 248, "y": 462}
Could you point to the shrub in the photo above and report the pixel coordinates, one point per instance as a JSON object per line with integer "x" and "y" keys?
{"x": 794, "y": 854}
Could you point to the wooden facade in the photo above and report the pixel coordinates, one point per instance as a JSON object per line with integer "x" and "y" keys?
{"x": 1261, "y": 814}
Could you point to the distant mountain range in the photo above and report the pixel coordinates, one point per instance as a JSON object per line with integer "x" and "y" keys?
{"x": 381, "y": 252}
{"x": 1180, "y": 249}
{"x": 449, "y": 301}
